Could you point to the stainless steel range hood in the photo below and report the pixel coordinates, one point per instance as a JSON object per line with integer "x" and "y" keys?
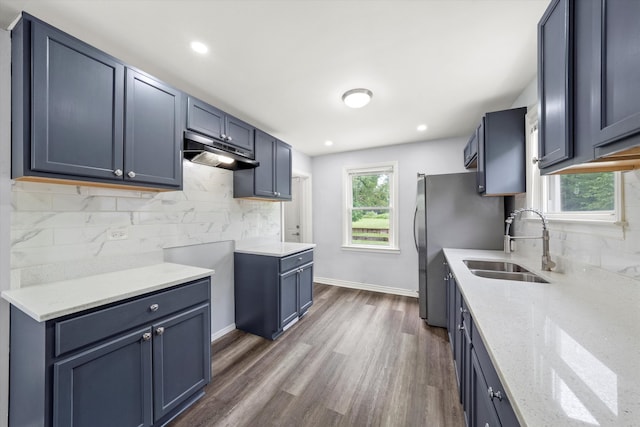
{"x": 207, "y": 151}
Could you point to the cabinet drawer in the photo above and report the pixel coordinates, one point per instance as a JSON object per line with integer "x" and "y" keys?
{"x": 85, "y": 329}
{"x": 295, "y": 260}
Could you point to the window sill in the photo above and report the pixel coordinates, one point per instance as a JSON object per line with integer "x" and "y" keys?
{"x": 373, "y": 249}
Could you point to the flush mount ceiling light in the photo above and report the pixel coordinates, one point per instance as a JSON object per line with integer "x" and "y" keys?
{"x": 328, "y": 143}
{"x": 421, "y": 128}
{"x": 199, "y": 47}
{"x": 357, "y": 98}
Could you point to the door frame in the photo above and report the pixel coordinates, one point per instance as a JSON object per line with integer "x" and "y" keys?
{"x": 306, "y": 229}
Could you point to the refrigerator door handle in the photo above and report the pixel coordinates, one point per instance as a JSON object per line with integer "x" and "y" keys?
{"x": 415, "y": 234}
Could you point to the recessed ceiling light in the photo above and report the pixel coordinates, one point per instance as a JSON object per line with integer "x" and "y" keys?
{"x": 357, "y": 98}
{"x": 199, "y": 47}
{"x": 328, "y": 143}
{"x": 422, "y": 128}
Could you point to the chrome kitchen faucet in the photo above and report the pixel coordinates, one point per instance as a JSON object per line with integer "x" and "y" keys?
{"x": 547, "y": 264}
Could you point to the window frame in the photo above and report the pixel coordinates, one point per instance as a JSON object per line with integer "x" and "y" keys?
{"x": 538, "y": 188}
{"x": 390, "y": 168}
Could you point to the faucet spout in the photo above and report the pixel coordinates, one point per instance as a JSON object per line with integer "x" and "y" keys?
{"x": 547, "y": 263}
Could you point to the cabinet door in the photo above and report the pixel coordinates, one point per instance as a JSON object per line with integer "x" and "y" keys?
{"x": 450, "y": 283}
{"x": 204, "y": 118}
{"x": 107, "y": 385}
{"x": 480, "y": 171}
{"x": 288, "y": 297}
{"x": 263, "y": 177}
{"x": 616, "y": 85}
{"x": 305, "y": 283}
{"x": 152, "y": 138}
{"x": 465, "y": 383}
{"x": 77, "y": 107}
{"x": 555, "y": 74}
{"x": 482, "y": 412}
{"x": 283, "y": 170}
{"x": 240, "y": 134}
{"x": 181, "y": 358}
{"x": 459, "y": 343}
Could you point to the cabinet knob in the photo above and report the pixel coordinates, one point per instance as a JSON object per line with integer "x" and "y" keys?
{"x": 154, "y": 307}
{"x": 495, "y": 394}
{"x": 223, "y": 136}
{"x": 461, "y": 327}
{"x": 131, "y": 174}
{"x": 463, "y": 310}
{"x": 299, "y": 258}
{"x": 146, "y": 336}
{"x": 229, "y": 138}
{"x": 480, "y": 187}
{"x": 117, "y": 172}
{"x": 486, "y": 425}
{"x": 160, "y": 330}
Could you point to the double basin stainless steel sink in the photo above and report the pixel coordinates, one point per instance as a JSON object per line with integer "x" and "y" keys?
{"x": 502, "y": 270}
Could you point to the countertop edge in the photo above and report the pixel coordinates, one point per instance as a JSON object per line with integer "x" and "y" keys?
{"x": 24, "y": 299}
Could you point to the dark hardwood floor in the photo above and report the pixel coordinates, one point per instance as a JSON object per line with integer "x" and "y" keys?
{"x": 357, "y": 358}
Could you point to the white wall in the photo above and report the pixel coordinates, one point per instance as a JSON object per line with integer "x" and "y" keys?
{"x": 396, "y": 272}
{"x": 5, "y": 212}
{"x": 301, "y": 162}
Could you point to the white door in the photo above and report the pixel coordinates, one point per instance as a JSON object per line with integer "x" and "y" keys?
{"x": 292, "y": 213}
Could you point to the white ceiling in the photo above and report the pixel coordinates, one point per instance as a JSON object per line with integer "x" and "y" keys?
{"x": 283, "y": 65}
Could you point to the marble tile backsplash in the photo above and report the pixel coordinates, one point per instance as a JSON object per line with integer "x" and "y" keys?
{"x": 613, "y": 248}
{"x": 60, "y": 232}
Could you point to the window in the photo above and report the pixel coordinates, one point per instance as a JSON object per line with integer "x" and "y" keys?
{"x": 574, "y": 197}
{"x": 370, "y": 216}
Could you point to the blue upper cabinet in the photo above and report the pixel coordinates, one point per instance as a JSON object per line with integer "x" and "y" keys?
{"x": 228, "y": 130}
{"x": 616, "y": 76}
{"x": 71, "y": 120}
{"x": 555, "y": 65}
{"x": 589, "y": 85}
{"x": 152, "y": 132}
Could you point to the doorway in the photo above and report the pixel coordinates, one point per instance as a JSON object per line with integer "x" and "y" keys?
{"x": 296, "y": 214}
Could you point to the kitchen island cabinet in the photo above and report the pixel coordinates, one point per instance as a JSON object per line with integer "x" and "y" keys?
{"x": 272, "y": 289}
{"x": 81, "y": 115}
{"x": 138, "y": 361}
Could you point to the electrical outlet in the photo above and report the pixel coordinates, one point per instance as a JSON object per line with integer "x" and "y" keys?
{"x": 117, "y": 234}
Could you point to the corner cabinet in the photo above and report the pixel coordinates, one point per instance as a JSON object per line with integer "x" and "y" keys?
{"x": 272, "y": 179}
{"x": 80, "y": 114}
{"x": 589, "y": 87}
{"x": 501, "y": 153}
{"x": 481, "y": 393}
{"x": 139, "y": 362}
{"x": 271, "y": 292}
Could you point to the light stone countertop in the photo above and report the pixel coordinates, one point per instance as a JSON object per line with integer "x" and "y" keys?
{"x": 567, "y": 352}
{"x": 275, "y": 249}
{"x": 52, "y": 300}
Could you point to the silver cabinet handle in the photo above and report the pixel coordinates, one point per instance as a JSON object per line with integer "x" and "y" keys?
{"x": 223, "y": 136}
{"x": 495, "y": 394}
{"x": 480, "y": 187}
{"x": 160, "y": 331}
{"x": 461, "y": 327}
{"x": 486, "y": 425}
{"x": 463, "y": 310}
{"x": 131, "y": 174}
{"x": 146, "y": 336}
{"x": 117, "y": 172}
{"x": 229, "y": 139}
{"x": 154, "y": 307}
{"x": 299, "y": 258}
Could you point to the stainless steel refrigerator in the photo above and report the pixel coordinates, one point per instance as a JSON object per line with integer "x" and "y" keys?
{"x": 450, "y": 214}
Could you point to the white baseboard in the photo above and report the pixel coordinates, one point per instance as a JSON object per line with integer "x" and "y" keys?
{"x": 222, "y": 332}
{"x": 366, "y": 287}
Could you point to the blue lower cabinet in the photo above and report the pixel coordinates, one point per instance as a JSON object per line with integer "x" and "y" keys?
{"x": 484, "y": 401}
{"x": 271, "y": 291}
{"x": 134, "y": 364}
{"x": 108, "y": 385}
